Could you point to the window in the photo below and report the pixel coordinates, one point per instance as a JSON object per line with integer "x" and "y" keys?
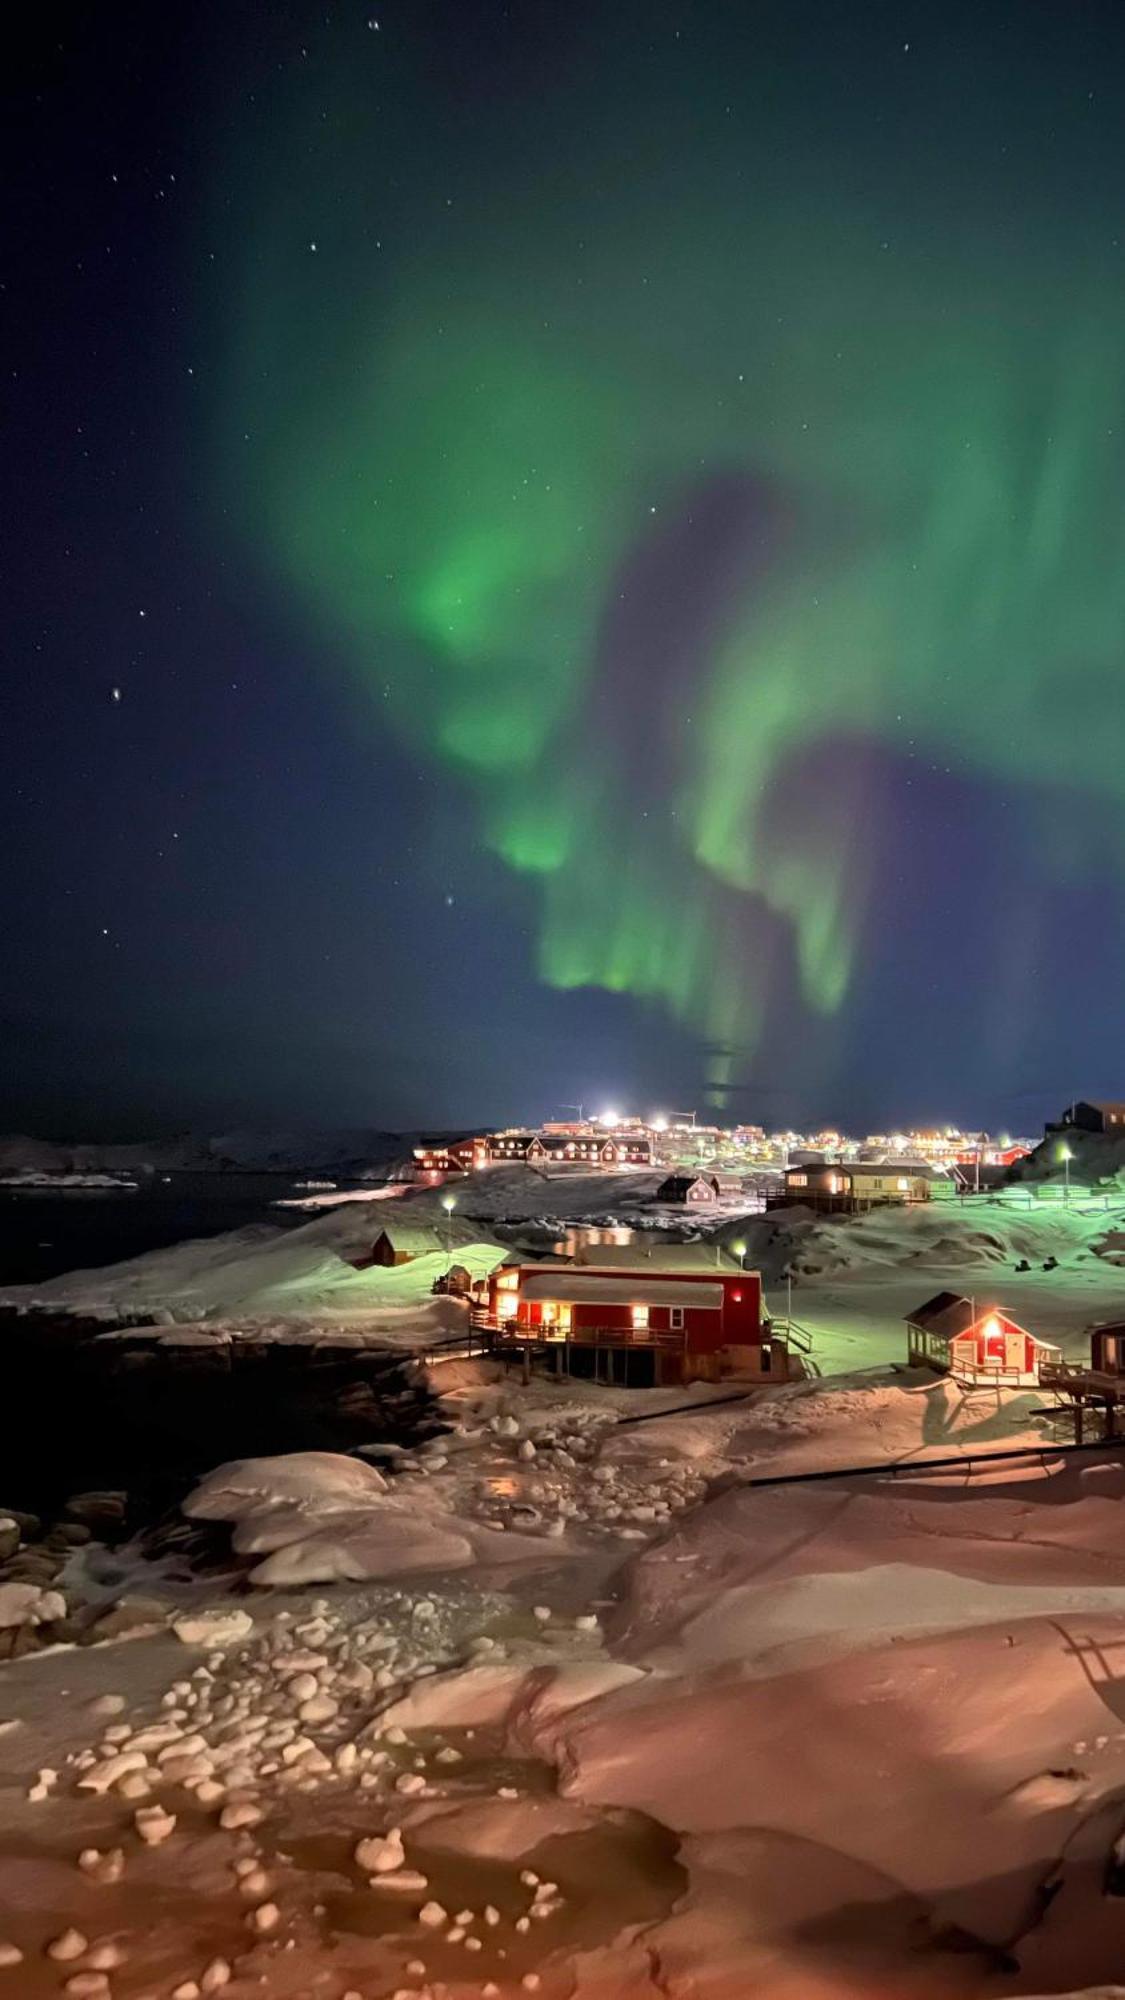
{"x": 640, "y": 1318}
{"x": 675, "y": 1318}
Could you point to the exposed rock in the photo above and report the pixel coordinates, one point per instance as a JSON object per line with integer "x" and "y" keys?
{"x": 68, "y": 1945}
{"x": 23, "y": 1603}
{"x": 103, "y": 1512}
{"x": 130, "y": 1617}
{"x": 154, "y": 1824}
{"x": 213, "y": 1628}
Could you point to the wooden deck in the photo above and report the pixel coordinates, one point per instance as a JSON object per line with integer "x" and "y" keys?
{"x": 1079, "y": 1389}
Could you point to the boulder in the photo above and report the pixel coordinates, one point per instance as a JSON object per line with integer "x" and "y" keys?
{"x": 101, "y": 1512}
{"x": 213, "y": 1628}
{"x": 23, "y": 1603}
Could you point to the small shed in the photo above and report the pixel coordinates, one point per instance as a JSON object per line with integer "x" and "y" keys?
{"x": 975, "y": 1343}
{"x": 400, "y": 1243}
{"x": 1107, "y": 1347}
{"x": 455, "y": 1283}
{"x": 690, "y": 1190}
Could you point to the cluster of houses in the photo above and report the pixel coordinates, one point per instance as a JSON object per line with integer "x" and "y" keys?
{"x": 561, "y": 1146}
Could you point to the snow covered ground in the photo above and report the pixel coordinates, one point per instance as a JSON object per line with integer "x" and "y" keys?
{"x": 567, "y": 1704}
{"x": 276, "y": 1274}
{"x": 853, "y": 1279}
{"x": 661, "y": 1732}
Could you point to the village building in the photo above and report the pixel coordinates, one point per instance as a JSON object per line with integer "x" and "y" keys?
{"x": 851, "y": 1188}
{"x": 637, "y": 1325}
{"x": 1096, "y": 1115}
{"x": 688, "y": 1190}
{"x": 975, "y": 1343}
{"x": 1096, "y": 1388}
{"x": 401, "y": 1242}
{"x": 454, "y": 1156}
{"x": 592, "y": 1150}
{"x": 1107, "y": 1347}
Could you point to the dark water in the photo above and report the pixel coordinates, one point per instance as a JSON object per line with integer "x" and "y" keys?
{"x": 45, "y": 1233}
{"x": 82, "y": 1411}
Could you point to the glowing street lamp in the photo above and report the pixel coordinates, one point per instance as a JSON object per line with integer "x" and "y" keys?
{"x": 740, "y": 1252}
{"x": 1066, "y": 1157}
{"x": 449, "y": 1203}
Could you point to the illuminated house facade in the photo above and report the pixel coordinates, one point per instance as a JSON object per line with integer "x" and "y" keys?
{"x": 638, "y": 1325}
{"x": 851, "y": 1187}
{"x": 559, "y": 1148}
{"x": 975, "y": 1343}
{"x": 458, "y": 1156}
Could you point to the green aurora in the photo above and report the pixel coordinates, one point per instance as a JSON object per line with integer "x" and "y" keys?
{"x": 517, "y": 363}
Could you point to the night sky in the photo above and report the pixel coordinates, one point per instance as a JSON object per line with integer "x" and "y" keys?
{"x": 563, "y": 552}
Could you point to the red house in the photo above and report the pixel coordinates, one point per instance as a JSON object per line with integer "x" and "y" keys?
{"x": 638, "y": 1325}
{"x": 975, "y": 1342}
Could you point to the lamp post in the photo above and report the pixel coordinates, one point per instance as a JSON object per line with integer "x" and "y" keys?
{"x": 449, "y": 1203}
{"x": 740, "y": 1252}
{"x": 1066, "y": 1156}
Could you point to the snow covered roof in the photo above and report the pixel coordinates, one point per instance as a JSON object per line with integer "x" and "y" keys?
{"x": 618, "y": 1288}
{"x": 687, "y": 1257}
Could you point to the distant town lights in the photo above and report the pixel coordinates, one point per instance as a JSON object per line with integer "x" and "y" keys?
{"x": 609, "y": 1118}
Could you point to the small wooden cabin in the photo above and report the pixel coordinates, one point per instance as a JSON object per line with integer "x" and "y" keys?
{"x": 400, "y": 1243}
{"x": 688, "y": 1190}
{"x": 975, "y": 1343}
{"x": 849, "y": 1189}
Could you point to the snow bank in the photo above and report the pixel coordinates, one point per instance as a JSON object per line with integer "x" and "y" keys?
{"x": 320, "y": 1517}
{"x": 264, "y": 1271}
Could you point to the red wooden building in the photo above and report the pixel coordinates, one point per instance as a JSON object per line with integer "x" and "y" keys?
{"x": 975, "y": 1342}
{"x": 635, "y": 1324}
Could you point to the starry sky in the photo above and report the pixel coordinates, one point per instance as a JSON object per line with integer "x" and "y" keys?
{"x": 563, "y": 553}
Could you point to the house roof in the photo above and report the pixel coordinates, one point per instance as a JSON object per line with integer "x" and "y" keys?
{"x": 690, "y": 1258}
{"x": 680, "y": 1183}
{"x": 617, "y": 1288}
{"x": 949, "y": 1315}
{"x": 418, "y": 1239}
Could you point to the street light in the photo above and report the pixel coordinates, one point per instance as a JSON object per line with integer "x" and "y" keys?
{"x": 1066, "y": 1157}
{"x": 449, "y": 1203}
{"x": 740, "y": 1252}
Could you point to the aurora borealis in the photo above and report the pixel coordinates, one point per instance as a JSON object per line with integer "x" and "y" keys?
{"x": 689, "y": 440}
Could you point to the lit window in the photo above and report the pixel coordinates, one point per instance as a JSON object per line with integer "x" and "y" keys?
{"x": 640, "y": 1316}
{"x": 507, "y": 1305}
{"x": 508, "y": 1281}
